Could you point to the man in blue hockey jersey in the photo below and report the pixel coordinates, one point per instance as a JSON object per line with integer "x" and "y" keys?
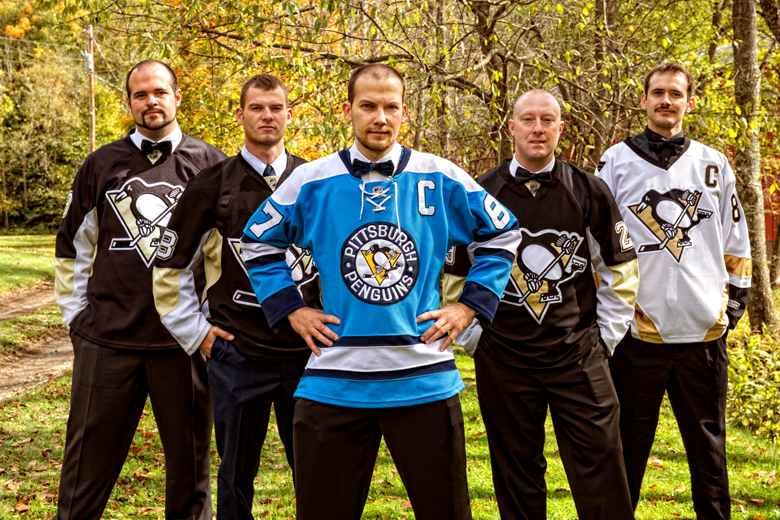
{"x": 378, "y": 219}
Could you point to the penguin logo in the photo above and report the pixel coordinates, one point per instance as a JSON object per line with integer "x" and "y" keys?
{"x": 301, "y": 263}
{"x": 379, "y": 263}
{"x": 670, "y": 216}
{"x": 544, "y": 261}
{"x": 144, "y": 210}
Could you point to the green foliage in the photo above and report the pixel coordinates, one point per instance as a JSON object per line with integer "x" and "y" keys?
{"x": 754, "y": 385}
{"x": 44, "y": 132}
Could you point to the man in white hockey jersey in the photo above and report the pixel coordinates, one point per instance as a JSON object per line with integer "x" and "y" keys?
{"x": 378, "y": 219}
{"x": 679, "y": 201}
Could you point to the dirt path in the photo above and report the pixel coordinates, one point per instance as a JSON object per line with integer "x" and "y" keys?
{"x": 26, "y": 300}
{"x": 34, "y": 365}
{"x": 38, "y": 362}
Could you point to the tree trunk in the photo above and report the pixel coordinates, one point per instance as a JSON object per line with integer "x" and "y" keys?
{"x": 747, "y": 160}
{"x": 774, "y": 267}
{"x": 605, "y": 12}
{"x": 5, "y": 196}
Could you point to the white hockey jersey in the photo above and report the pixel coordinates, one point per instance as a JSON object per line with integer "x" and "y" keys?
{"x": 691, "y": 239}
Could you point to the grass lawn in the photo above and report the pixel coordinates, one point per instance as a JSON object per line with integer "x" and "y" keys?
{"x": 18, "y": 332}
{"x": 32, "y": 436}
{"x": 25, "y": 260}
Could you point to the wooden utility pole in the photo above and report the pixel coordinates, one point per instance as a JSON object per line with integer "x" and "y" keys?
{"x": 90, "y": 62}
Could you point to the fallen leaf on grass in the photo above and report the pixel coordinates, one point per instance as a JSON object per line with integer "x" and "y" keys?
{"x": 12, "y": 485}
{"x": 656, "y": 463}
{"x": 562, "y": 490}
{"x": 673, "y": 513}
{"x": 680, "y": 488}
{"x": 653, "y": 487}
{"x": 758, "y": 501}
{"x": 756, "y": 516}
{"x": 406, "y": 505}
{"x": 738, "y": 501}
{"x": 652, "y": 503}
{"x": 269, "y": 500}
{"x": 666, "y": 497}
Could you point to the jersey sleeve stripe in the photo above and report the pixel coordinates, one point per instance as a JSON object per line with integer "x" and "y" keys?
{"x": 489, "y": 251}
{"x": 738, "y": 267}
{"x": 256, "y": 251}
{"x": 72, "y": 300}
{"x": 262, "y": 261}
{"x": 507, "y": 240}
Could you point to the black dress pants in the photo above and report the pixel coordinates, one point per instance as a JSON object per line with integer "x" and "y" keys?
{"x": 336, "y": 448}
{"x": 109, "y": 391}
{"x": 695, "y": 376}
{"x": 243, "y": 391}
{"x": 585, "y": 416}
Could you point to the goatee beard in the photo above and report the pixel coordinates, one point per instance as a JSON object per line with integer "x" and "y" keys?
{"x": 155, "y": 126}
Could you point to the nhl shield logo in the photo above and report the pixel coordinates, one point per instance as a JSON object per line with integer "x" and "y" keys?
{"x": 544, "y": 261}
{"x": 380, "y": 263}
{"x": 670, "y": 216}
{"x": 144, "y": 210}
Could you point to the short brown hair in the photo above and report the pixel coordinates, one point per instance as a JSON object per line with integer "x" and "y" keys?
{"x": 674, "y": 68}
{"x": 146, "y": 63}
{"x": 265, "y": 82}
{"x": 377, "y": 71}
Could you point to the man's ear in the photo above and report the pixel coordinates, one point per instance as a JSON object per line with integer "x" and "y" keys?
{"x": 347, "y": 108}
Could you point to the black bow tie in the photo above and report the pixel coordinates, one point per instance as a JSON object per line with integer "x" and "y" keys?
{"x": 522, "y": 176}
{"x": 361, "y": 167}
{"x": 675, "y": 144}
{"x": 164, "y": 147}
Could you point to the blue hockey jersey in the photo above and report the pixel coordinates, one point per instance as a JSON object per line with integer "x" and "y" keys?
{"x": 379, "y": 243}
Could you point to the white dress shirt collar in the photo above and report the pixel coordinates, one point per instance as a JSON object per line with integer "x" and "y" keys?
{"x": 279, "y": 164}
{"x": 515, "y": 164}
{"x": 174, "y": 137}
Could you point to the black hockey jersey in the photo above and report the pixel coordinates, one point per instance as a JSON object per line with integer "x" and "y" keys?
{"x": 214, "y": 210}
{"x": 111, "y": 228}
{"x": 575, "y": 276}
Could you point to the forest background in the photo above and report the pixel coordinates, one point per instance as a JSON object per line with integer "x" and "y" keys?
{"x": 465, "y": 63}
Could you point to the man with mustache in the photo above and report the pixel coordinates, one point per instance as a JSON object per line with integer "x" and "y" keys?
{"x": 554, "y": 328}
{"x": 251, "y": 366}
{"x": 112, "y": 227}
{"x": 678, "y": 198}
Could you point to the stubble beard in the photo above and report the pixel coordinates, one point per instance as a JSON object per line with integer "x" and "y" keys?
{"x": 375, "y": 147}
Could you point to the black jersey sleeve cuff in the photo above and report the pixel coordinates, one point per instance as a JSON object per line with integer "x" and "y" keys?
{"x": 737, "y": 302}
{"x": 481, "y": 300}
{"x": 277, "y": 306}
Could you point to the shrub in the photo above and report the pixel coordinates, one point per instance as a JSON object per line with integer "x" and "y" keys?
{"x": 754, "y": 384}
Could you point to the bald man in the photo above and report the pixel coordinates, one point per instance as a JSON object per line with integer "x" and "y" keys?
{"x": 568, "y": 302}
